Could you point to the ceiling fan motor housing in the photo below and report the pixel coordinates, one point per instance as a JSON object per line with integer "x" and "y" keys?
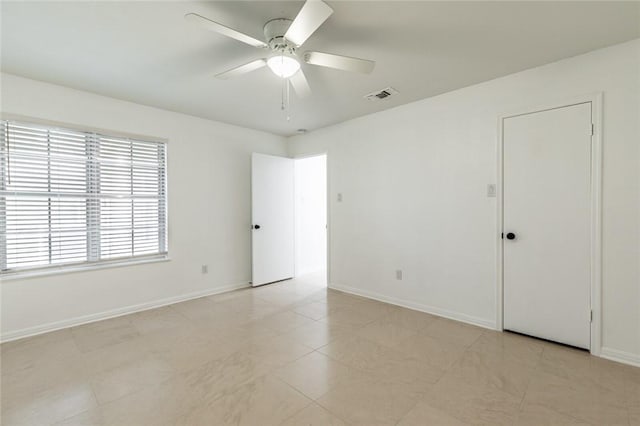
{"x": 274, "y": 32}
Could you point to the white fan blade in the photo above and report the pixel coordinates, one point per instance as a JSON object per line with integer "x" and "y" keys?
{"x": 224, "y": 30}
{"x": 300, "y": 84}
{"x": 243, "y": 69}
{"x": 339, "y": 62}
{"x": 310, "y": 17}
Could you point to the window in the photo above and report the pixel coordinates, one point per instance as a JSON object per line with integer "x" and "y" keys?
{"x": 72, "y": 197}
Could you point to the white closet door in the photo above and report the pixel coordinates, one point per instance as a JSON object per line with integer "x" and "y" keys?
{"x": 272, "y": 211}
{"x": 547, "y": 170}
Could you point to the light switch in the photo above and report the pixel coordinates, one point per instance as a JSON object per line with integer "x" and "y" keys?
{"x": 491, "y": 190}
{"x": 339, "y": 197}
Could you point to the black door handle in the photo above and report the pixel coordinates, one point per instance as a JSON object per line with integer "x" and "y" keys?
{"x": 511, "y": 236}
{"x": 256, "y": 226}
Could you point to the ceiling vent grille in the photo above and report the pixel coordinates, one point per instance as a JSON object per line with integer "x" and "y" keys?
{"x": 381, "y": 94}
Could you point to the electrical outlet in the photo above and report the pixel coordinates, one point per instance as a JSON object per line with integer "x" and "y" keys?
{"x": 399, "y": 274}
{"x": 491, "y": 190}
{"x": 339, "y": 197}
{"x": 205, "y": 269}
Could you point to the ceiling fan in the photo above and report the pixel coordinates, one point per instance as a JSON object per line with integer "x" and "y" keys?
{"x": 283, "y": 37}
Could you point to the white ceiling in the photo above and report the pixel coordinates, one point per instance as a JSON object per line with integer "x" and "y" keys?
{"x": 145, "y": 52}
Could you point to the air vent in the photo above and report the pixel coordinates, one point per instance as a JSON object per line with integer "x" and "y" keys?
{"x": 381, "y": 94}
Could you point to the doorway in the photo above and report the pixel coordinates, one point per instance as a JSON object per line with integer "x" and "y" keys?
{"x": 549, "y": 245}
{"x": 311, "y": 218}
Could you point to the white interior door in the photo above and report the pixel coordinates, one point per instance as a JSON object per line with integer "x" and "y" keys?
{"x": 546, "y": 223}
{"x": 272, "y": 211}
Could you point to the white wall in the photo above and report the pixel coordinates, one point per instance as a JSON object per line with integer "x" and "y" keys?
{"x": 414, "y": 181}
{"x": 311, "y": 214}
{"x": 209, "y": 210}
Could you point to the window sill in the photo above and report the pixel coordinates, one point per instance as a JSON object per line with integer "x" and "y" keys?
{"x": 36, "y": 273}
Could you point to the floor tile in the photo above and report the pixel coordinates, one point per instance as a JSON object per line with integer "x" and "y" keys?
{"x": 477, "y": 405}
{"x": 200, "y": 308}
{"x": 408, "y": 318}
{"x": 39, "y": 365}
{"x": 634, "y": 416}
{"x": 158, "y": 405}
{"x": 188, "y": 351}
{"x": 314, "y": 415}
{"x": 250, "y": 331}
{"x": 370, "y": 402}
{"x": 241, "y": 294}
{"x": 453, "y": 331}
{"x": 285, "y": 321}
{"x": 538, "y": 415}
{"x": 593, "y": 404}
{"x": 402, "y": 368}
{"x": 160, "y": 320}
{"x": 385, "y": 333}
{"x": 370, "y": 307}
{"x": 217, "y": 378}
{"x": 509, "y": 347}
{"x": 313, "y": 310}
{"x": 632, "y": 385}
{"x": 357, "y": 352}
{"x": 249, "y": 310}
{"x": 314, "y": 374}
{"x": 278, "y": 351}
{"x": 110, "y": 357}
{"x": 264, "y": 401}
{"x": 318, "y": 334}
{"x": 349, "y": 317}
{"x": 101, "y": 334}
{"x": 129, "y": 378}
{"x": 588, "y": 371}
{"x": 52, "y": 405}
{"x": 437, "y": 352}
{"x": 424, "y": 414}
{"x": 565, "y": 362}
{"x": 93, "y": 417}
{"x": 482, "y": 369}
{"x": 21, "y": 353}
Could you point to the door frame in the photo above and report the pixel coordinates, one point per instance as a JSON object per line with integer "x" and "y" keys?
{"x": 595, "y": 214}
{"x": 327, "y": 205}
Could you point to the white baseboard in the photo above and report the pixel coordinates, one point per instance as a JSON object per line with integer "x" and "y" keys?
{"x": 85, "y": 319}
{"x": 481, "y": 322}
{"x": 621, "y": 356}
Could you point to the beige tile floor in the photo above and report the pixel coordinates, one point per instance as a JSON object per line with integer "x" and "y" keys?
{"x": 295, "y": 353}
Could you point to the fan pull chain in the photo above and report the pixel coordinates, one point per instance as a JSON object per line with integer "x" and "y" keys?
{"x": 286, "y": 82}
{"x": 286, "y": 103}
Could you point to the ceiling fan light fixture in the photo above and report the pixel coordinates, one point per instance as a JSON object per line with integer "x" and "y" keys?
{"x": 283, "y": 66}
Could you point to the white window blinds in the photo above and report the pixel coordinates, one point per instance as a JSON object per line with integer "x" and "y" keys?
{"x": 69, "y": 197}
